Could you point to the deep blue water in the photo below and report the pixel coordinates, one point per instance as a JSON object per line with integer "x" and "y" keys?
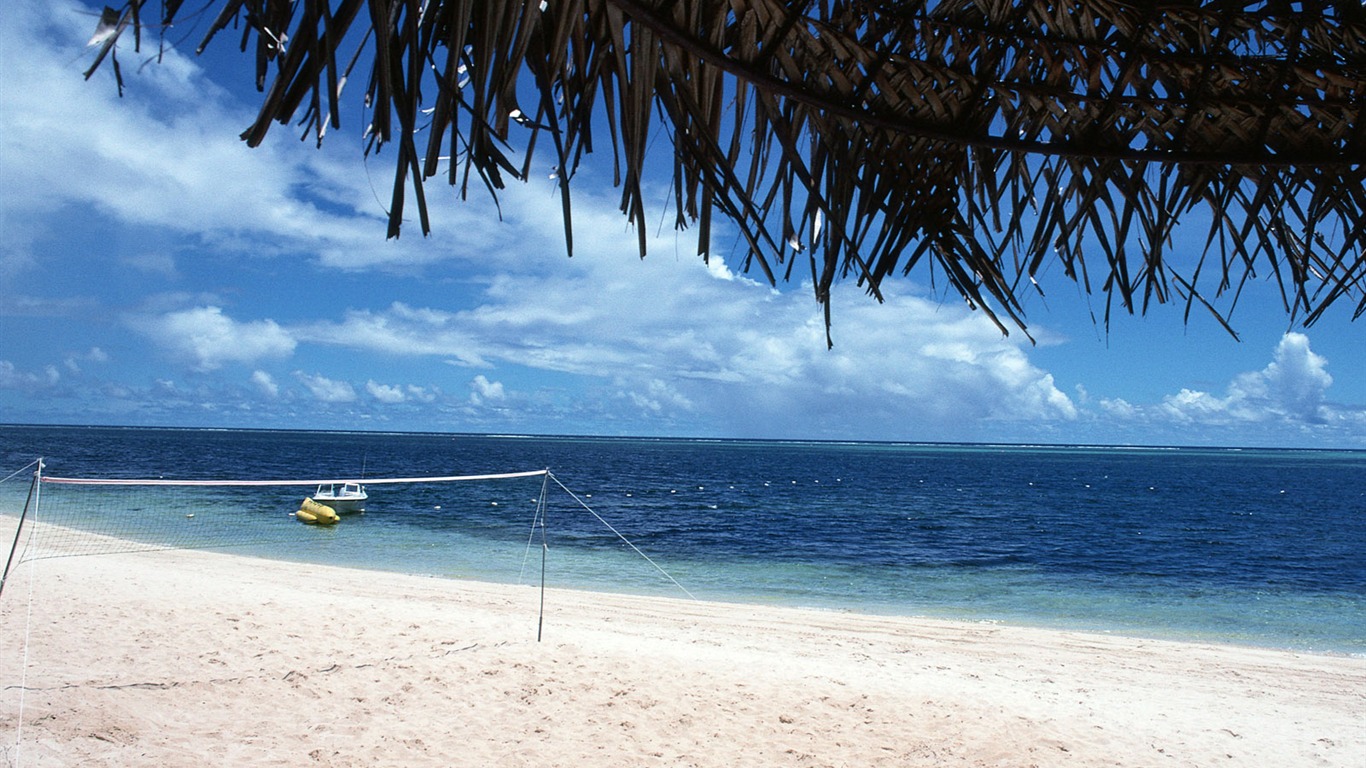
{"x": 1263, "y": 547}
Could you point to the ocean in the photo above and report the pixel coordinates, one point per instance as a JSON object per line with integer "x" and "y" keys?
{"x": 1249, "y": 546}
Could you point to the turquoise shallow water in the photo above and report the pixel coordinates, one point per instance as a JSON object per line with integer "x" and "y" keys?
{"x": 1259, "y": 547}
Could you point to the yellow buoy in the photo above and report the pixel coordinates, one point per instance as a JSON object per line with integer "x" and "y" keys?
{"x": 305, "y": 516}
{"x": 325, "y": 514}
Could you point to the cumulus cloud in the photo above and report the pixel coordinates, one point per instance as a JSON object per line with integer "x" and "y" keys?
{"x": 265, "y": 383}
{"x": 385, "y": 393}
{"x": 1119, "y": 407}
{"x": 73, "y": 362}
{"x": 326, "y": 390}
{"x": 1295, "y": 383}
{"x": 1292, "y": 388}
{"x": 657, "y": 397}
{"x": 648, "y": 333}
{"x": 422, "y": 394}
{"x": 11, "y": 377}
{"x": 676, "y": 337}
{"x": 1284, "y": 402}
{"x": 482, "y": 390}
{"x": 208, "y": 338}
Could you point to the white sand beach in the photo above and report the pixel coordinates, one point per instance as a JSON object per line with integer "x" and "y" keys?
{"x": 192, "y": 658}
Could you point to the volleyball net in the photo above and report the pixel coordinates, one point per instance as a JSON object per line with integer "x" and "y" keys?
{"x": 69, "y": 516}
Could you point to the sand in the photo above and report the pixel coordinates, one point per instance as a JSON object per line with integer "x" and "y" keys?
{"x": 194, "y": 658}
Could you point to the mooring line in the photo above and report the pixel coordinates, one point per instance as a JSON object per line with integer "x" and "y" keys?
{"x": 19, "y": 471}
{"x": 620, "y": 536}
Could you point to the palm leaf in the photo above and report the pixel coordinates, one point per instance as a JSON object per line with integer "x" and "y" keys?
{"x": 998, "y": 136}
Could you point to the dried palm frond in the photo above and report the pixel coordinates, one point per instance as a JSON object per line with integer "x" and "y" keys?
{"x": 986, "y": 139}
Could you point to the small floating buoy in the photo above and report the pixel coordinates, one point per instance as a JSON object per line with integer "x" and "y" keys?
{"x": 189, "y": 514}
{"x": 495, "y": 503}
{"x": 438, "y": 506}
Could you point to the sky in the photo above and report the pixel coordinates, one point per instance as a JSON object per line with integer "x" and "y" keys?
{"x": 154, "y": 271}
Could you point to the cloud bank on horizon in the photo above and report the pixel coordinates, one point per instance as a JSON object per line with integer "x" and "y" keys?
{"x": 153, "y": 270}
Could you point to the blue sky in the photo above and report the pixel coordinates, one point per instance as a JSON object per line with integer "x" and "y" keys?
{"x": 156, "y": 271}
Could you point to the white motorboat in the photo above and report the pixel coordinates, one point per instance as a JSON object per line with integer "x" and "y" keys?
{"x": 342, "y": 497}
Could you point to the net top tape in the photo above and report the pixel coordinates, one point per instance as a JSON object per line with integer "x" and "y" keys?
{"x": 367, "y": 481}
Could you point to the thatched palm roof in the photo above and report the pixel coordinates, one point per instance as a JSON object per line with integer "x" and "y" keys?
{"x": 987, "y": 140}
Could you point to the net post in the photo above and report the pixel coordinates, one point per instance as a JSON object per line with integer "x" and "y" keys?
{"x": 19, "y": 529}
{"x": 540, "y": 616}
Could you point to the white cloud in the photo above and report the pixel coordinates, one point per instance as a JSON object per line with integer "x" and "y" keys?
{"x": 11, "y": 377}
{"x": 1287, "y": 397}
{"x": 209, "y": 338}
{"x": 93, "y": 355}
{"x": 1190, "y": 405}
{"x": 659, "y": 397}
{"x": 422, "y": 394}
{"x": 326, "y": 390}
{"x": 1292, "y": 388}
{"x": 681, "y": 342}
{"x": 1295, "y": 383}
{"x": 681, "y": 338}
{"x": 385, "y": 393}
{"x": 400, "y": 330}
{"x": 266, "y": 384}
{"x": 482, "y": 390}
{"x": 1118, "y": 406}
{"x": 169, "y": 155}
